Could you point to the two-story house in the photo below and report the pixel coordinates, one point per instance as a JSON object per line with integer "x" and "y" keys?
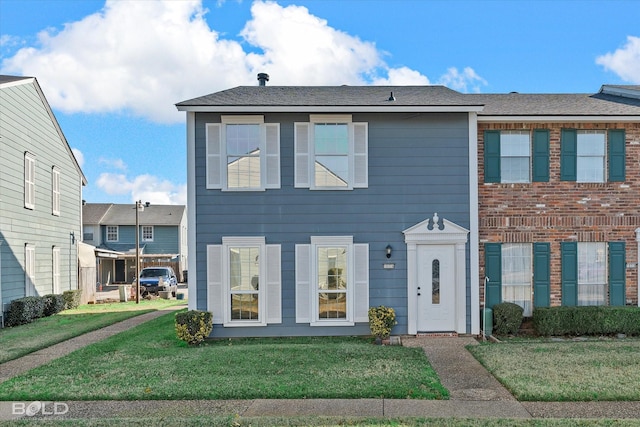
{"x": 40, "y": 196}
{"x": 559, "y": 197}
{"x": 111, "y": 228}
{"x": 311, "y": 204}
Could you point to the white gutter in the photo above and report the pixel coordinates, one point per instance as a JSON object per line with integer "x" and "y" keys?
{"x": 330, "y": 109}
{"x": 559, "y": 119}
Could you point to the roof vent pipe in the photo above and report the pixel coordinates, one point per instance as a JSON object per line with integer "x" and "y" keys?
{"x": 391, "y": 97}
{"x": 263, "y": 78}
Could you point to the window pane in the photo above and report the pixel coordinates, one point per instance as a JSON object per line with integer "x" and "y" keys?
{"x": 514, "y": 169}
{"x": 435, "y": 282}
{"x": 591, "y": 143}
{"x": 243, "y": 156}
{"x": 516, "y": 275}
{"x": 332, "y": 154}
{"x": 592, "y": 273}
{"x": 591, "y": 156}
{"x": 590, "y": 169}
{"x": 514, "y": 143}
{"x": 332, "y": 283}
{"x": 244, "y": 279}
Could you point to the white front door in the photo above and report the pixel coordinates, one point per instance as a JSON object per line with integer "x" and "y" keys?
{"x": 436, "y": 290}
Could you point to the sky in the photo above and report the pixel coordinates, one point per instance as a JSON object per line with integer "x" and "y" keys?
{"x": 113, "y": 70}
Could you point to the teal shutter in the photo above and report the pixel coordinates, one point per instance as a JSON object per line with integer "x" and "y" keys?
{"x": 569, "y": 273}
{"x": 541, "y": 155}
{"x": 492, "y": 156}
{"x": 616, "y": 155}
{"x": 617, "y": 273}
{"x": 541, "y": 275}
{"x": 493, "y": 271}
{"x": 568, "y": 155}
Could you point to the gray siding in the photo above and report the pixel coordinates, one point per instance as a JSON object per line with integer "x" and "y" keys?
{"x": 418, "y": 165}
{"x": 25, "y": 125}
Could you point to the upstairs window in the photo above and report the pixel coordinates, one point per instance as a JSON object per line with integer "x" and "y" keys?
{"x": 55, "y": 191}
{"x": 112, "y": 233}
{"x": 331, "y": 153}
{"x": 243, "y": 154}
{"x": 147, "y": 233}
{"x": 592, "y": 155}
{"x": 520, "y": 156}
{"x": 29, "y": 181}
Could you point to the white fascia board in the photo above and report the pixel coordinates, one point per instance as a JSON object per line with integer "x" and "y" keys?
{"x": 558, "y": 119}
{"x": 332, "y": 109}
{"x": 20, "y": 81}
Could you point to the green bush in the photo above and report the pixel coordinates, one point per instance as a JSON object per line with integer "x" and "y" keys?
{"x": 71, "y": 299}
{"x": 25, "y": 310}
{"x": 600, "y": 320}
{"x": 507, "y": 318}
{"x": 53, "y": 304}
{"x": 194, "y": 326}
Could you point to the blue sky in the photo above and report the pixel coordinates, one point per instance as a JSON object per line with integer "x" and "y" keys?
{"x": 113, "y": 70}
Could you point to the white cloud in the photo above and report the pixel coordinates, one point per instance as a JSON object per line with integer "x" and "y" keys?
{"x": 141, "y": 57}
{"x": 114, "y": 163}
{"x": 147, "y": 188}
{"x": 625, "y": 61}
{"x": 466, "y": 81}
{"x": 79, "y": 156}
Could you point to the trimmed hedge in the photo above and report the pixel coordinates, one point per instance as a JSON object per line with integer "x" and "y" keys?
{"x": 71, "y": 299}
{"x": 591, "y": 320}
{"x": 507, "y": 318}
{"x": 25, "y": 310}
{"x": 193, "y": 326}
{"x": 53, "y": 304}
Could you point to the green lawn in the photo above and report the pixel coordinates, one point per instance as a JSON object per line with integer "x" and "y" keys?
{"x": 149, "y": 362}
{"x": 605, "y": 370}
{"x": 24, "y": 339}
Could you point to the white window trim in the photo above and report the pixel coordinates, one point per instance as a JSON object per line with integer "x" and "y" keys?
{"x": 142, "y": 238}
{"x": 107, "y": 233}
{"x": 604, "y": 157}
{"x": 269, "y": 153}
{"x": 529, "y": 158}
{"x": 306, "y": 159}
{"x": 55, "y": 191}
{"x": 332, "y": 241}
{"x": 55, "y": 257}
{"x": 269, "y": 291}
{"x": 29, "y": 181}
{"x": 29, "y": 269}
{"x": 605, "y": 284}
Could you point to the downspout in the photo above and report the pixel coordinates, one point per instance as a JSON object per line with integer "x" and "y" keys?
{"x": 638, "y": 265}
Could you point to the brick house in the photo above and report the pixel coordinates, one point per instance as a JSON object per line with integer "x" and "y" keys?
{"x": 559, "y": 197}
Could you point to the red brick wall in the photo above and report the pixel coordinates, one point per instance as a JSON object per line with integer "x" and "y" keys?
{"x": 560, "y": 211}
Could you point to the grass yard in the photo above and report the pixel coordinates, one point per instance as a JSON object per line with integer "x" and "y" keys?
{"x": 24, "y": 339}
{"x": 566, "y": 371}
{"x": 149, "y": 362}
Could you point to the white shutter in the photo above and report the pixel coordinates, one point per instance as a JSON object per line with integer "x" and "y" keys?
{"x": 361, "y": 278}
{"x": 56, "y": 270}
{"x": 302, "y": 156}
{"x": 215, "y": 286}
{"x": 29, "y": 181}
{"x": 55, "y": 193}
{"x": 274, "y": 286}
{"x": 215, "y": 159}
{"x": 303, "y": 283}
{"x": 272, "y": 156}
{"x": 360, "y": 155}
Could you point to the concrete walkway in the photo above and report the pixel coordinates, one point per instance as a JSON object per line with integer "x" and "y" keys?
{"x": 474, "y": 392}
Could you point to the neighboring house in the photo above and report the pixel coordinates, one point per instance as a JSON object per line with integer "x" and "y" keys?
{"x": 312, "y": 204}
{"x": 40, "y": 196}
{"x": 559, "y": 197}
{"x": 111, "y": 229}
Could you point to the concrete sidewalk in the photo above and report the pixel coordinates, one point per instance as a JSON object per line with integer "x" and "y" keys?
{"x": 474, "y": 392}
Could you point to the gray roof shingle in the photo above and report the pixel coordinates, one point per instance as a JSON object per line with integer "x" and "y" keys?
{"x": 124, "y": 214}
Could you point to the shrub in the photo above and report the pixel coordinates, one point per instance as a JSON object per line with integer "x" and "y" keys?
{"x": 53, "y": 304}
{"x": 194, "y": 326}
{"x": 71, "y": 299}
{"x": 25, "y": 310}
{"x": 381, "y": 320}
{"x": 592, "y": 320}
{"x": 507, "y": 318}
